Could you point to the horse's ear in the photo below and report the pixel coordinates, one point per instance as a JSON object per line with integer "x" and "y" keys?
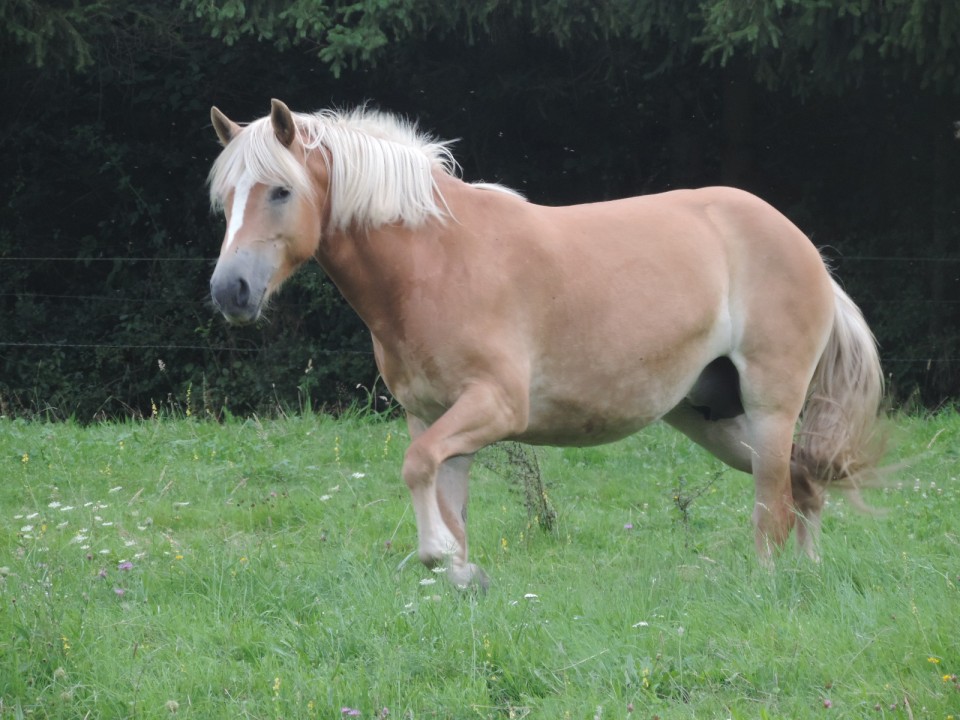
{"x": 226, "y": 128}
{"x": 284, "y": 125}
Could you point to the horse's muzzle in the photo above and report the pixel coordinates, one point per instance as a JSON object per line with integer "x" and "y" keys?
{"x": 232, "y": 298}
{"x": 238, "y": 288}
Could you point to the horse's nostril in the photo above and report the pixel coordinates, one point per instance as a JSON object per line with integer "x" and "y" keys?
{"x": 243, "y": 292}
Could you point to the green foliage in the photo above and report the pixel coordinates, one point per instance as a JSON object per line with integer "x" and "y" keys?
{"x": 786, "y": 40}
{"x": 267, "y": 578}
{"x": 811, "y": 45}
{"x": 45, "y": 29}
{"x": 83, "y": 36}
{"x": 342, "y": 34}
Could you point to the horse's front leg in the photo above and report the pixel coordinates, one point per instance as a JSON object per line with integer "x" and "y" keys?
{"x": 442, "y": 523}
{"x": 436, "y": 469}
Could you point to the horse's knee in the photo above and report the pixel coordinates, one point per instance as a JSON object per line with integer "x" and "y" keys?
{"x": 419, "y": 467}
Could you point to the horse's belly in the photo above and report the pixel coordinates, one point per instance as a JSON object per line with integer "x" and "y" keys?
{"x": 592, "y": 399}
{"x": 571, "y": 427}
{"x": 600, "y": 414}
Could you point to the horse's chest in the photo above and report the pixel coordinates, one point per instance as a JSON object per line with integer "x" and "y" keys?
{"x": 418, "y": 382}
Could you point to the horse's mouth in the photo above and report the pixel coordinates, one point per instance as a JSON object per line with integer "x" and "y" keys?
{"x": 239, "y": 315}
{"x": 241, "y": 320}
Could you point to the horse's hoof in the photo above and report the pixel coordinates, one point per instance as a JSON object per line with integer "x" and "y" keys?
{"x": 469, "y": 578}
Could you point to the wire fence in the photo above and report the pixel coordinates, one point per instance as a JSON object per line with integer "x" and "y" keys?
{"x": 52, "y": 297}
{"x": 211, "y": 261}
{"x": 167, "y": 346}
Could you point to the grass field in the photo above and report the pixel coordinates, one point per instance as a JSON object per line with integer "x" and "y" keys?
{"x": 251, "y": 569}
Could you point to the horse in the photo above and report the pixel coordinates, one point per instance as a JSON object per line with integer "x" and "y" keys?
{"x": 494, "y": 318}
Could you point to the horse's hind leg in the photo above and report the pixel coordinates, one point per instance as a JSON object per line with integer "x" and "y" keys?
{"x": 730, "y": 440}
{"x": 713, "y": 416}
{"x": 773, "y": 510}
{"x": 755, "y": 444}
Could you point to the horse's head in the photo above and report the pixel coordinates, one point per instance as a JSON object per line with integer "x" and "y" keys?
{"x": 271, "y": 198}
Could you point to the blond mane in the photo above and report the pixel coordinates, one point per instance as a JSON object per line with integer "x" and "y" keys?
{"x": 381, "y": 166}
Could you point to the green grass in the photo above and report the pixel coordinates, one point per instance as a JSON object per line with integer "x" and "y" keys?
{"x": 270, "y": 579}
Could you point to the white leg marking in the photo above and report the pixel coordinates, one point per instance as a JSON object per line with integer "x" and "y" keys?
{"x": 436, "y": 540}
{"x": 240, "y": 194}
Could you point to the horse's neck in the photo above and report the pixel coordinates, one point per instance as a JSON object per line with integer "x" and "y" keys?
{"x": 376, "y": 270}
{"x": 382, "y": 271}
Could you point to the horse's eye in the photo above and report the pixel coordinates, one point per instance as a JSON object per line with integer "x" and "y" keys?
{"x": 279, "y": 194}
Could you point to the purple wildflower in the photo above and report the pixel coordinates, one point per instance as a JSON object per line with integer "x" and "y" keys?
{"x": 120, "y": 592}
{"x": 125, "y": 565}
{"x": 628, "y": 526}
{"x": 349, "y": 712}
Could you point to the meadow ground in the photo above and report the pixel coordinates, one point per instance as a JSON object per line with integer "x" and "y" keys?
{"x": 262, "y": 569}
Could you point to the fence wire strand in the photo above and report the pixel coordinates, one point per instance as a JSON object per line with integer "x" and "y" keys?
{"x": 223, "y": 349}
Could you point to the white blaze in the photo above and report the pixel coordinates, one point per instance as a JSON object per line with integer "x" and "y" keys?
{"x": 240, "y": 194}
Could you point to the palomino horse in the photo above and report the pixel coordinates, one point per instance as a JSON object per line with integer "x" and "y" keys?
{"x": 493, "y": 318}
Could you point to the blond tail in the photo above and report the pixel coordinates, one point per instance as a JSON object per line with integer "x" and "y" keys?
{"x": 840, "y": 439}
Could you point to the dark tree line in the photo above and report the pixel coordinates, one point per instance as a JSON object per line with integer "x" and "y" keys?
{"x": 844, "y": 115}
